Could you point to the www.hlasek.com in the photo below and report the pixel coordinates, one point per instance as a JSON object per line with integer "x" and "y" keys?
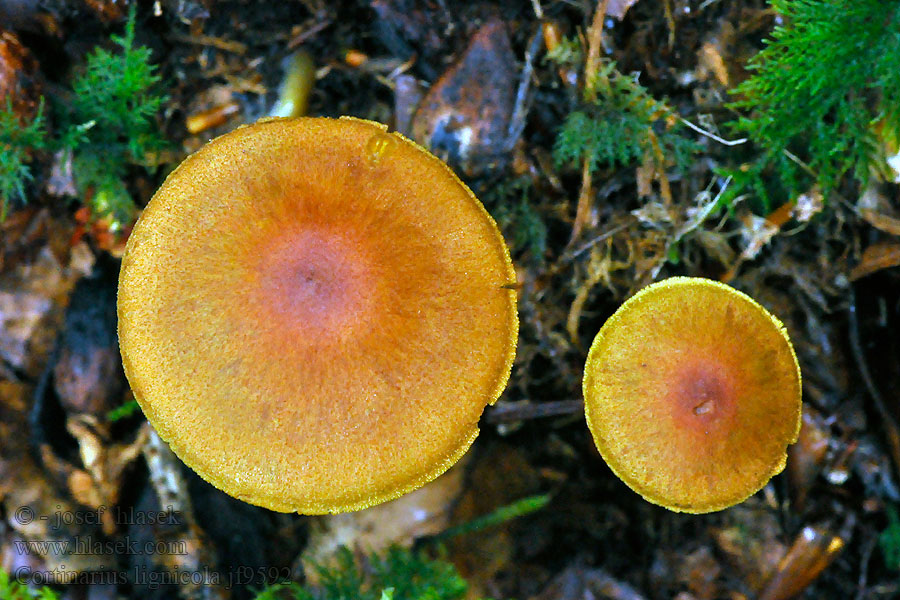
{"x": 152, "y": 579}
{"x": 88, "y": 545}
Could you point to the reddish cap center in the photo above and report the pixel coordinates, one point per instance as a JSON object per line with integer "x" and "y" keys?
{"x": 315, "y": 280}
{"x": 702, "y": 395}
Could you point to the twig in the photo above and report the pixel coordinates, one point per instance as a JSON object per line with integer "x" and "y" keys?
{"x": 591, "y": 81}
{"x": 862, "y": 583}
{"x": 660, "y": 167}
{"x": 520, "y": 110}
{"x": 583, "y": 210}
{"x": 887, "y": 419}
{"x": 799, "y": 162}
{"x": 670, "y": 21}
{"x": 522, "y": 411}
{"x": 595, "y": 43}
{"x": 713, "y": 136}
{"x": 596, "y": 240}
{"x": 208, "y": 40}
{"x": 307, "y": 33}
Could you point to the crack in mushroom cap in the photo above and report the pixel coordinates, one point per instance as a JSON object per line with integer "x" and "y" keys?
{"x": 692, "y": 394}
{"x": 314, "y": 314}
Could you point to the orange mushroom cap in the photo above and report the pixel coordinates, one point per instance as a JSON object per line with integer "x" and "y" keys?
{"x": 692, "y": 394}
{"x": 314, "y": 314}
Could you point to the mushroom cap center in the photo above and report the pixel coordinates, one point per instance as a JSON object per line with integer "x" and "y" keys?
{"x": 314, "y": 279}
{"x": 702, "y": 395}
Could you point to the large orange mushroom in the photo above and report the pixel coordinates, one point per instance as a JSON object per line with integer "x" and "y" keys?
{"x": 314, "y": 314}
{"x": 692, "y": 394}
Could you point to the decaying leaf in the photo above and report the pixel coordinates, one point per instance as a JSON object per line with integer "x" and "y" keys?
{"x": 813, "y": 549}
{"x": 40, "y": 271}
{"x": 465, "y": 116}
{"x": 423, "y": 512}
{"x": 883, "y": 255}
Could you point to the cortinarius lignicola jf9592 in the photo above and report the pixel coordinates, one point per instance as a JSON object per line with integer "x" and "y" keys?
{"x": 314, "y": 313}
{"x": 692, "y": 394}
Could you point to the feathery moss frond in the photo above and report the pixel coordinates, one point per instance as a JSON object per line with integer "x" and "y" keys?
{"x": 397, "y": 575}
{"x": 823, "y": 87}
{"x": 17, "y": 141}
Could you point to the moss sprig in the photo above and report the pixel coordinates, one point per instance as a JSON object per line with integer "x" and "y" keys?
{"x": 114, "y": 106}
{"x": 106, "y": 125}
{"x": 12, "y": 589}
{"x": 822, "y": 97}
{"x": 398, "y": 574}
{"x": 17, "y": 143}
{"x": 617, "y": 125}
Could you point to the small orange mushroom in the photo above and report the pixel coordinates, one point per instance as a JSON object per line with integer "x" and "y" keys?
{"x": 314, "y": 314}
{"x": 692, "y": 394}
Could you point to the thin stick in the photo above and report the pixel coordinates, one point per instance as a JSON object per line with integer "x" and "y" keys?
{"x": 594, "y": 241}
{"x": 887, "y": 419}
{"x": 520, "y": 110}
{"x": 713, "y": 136}
{"x": 523, "y": 411}
{"x": 585, "y": 197}
{"x": 595, "y": 43}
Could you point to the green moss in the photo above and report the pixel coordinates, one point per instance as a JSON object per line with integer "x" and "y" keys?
{"x": 10, "y": 589}
{"x": 823, "y": 87}
{"x": 618, "y": 126}
{"x": 397, "y": 575}
{"x": 17, "y": 142}
{"x": 889, "y": 540}
{"x": 568, "y": 53}
{"x": 504, "y": 514}
{"x": 112, "y": 115}
{"x": 106, "y": 126}
{"x": 124, "y": 411}
{"x": 510, "y": 203}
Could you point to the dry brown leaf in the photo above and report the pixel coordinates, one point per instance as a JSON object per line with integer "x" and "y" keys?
{"x": 37, "y": 512}
{"x": 33, "y": 293}
{"x": 577, "y": 583}
{"x": 813, "y": 550}
{"x": 19, "y": 83}
{"x": 877, "y": 220}
{"x": 700, "y": 570}
{"x": 500, "y": 474}
{"x": 100, "y": 482}
{"x": 750, "y": 538}
{"x": 806, "y": 457}
{"x": 876, "y": 257}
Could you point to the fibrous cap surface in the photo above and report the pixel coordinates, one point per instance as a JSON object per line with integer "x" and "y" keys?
{"x": 314, "y": 314}
{"x": 692, "y": 394}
